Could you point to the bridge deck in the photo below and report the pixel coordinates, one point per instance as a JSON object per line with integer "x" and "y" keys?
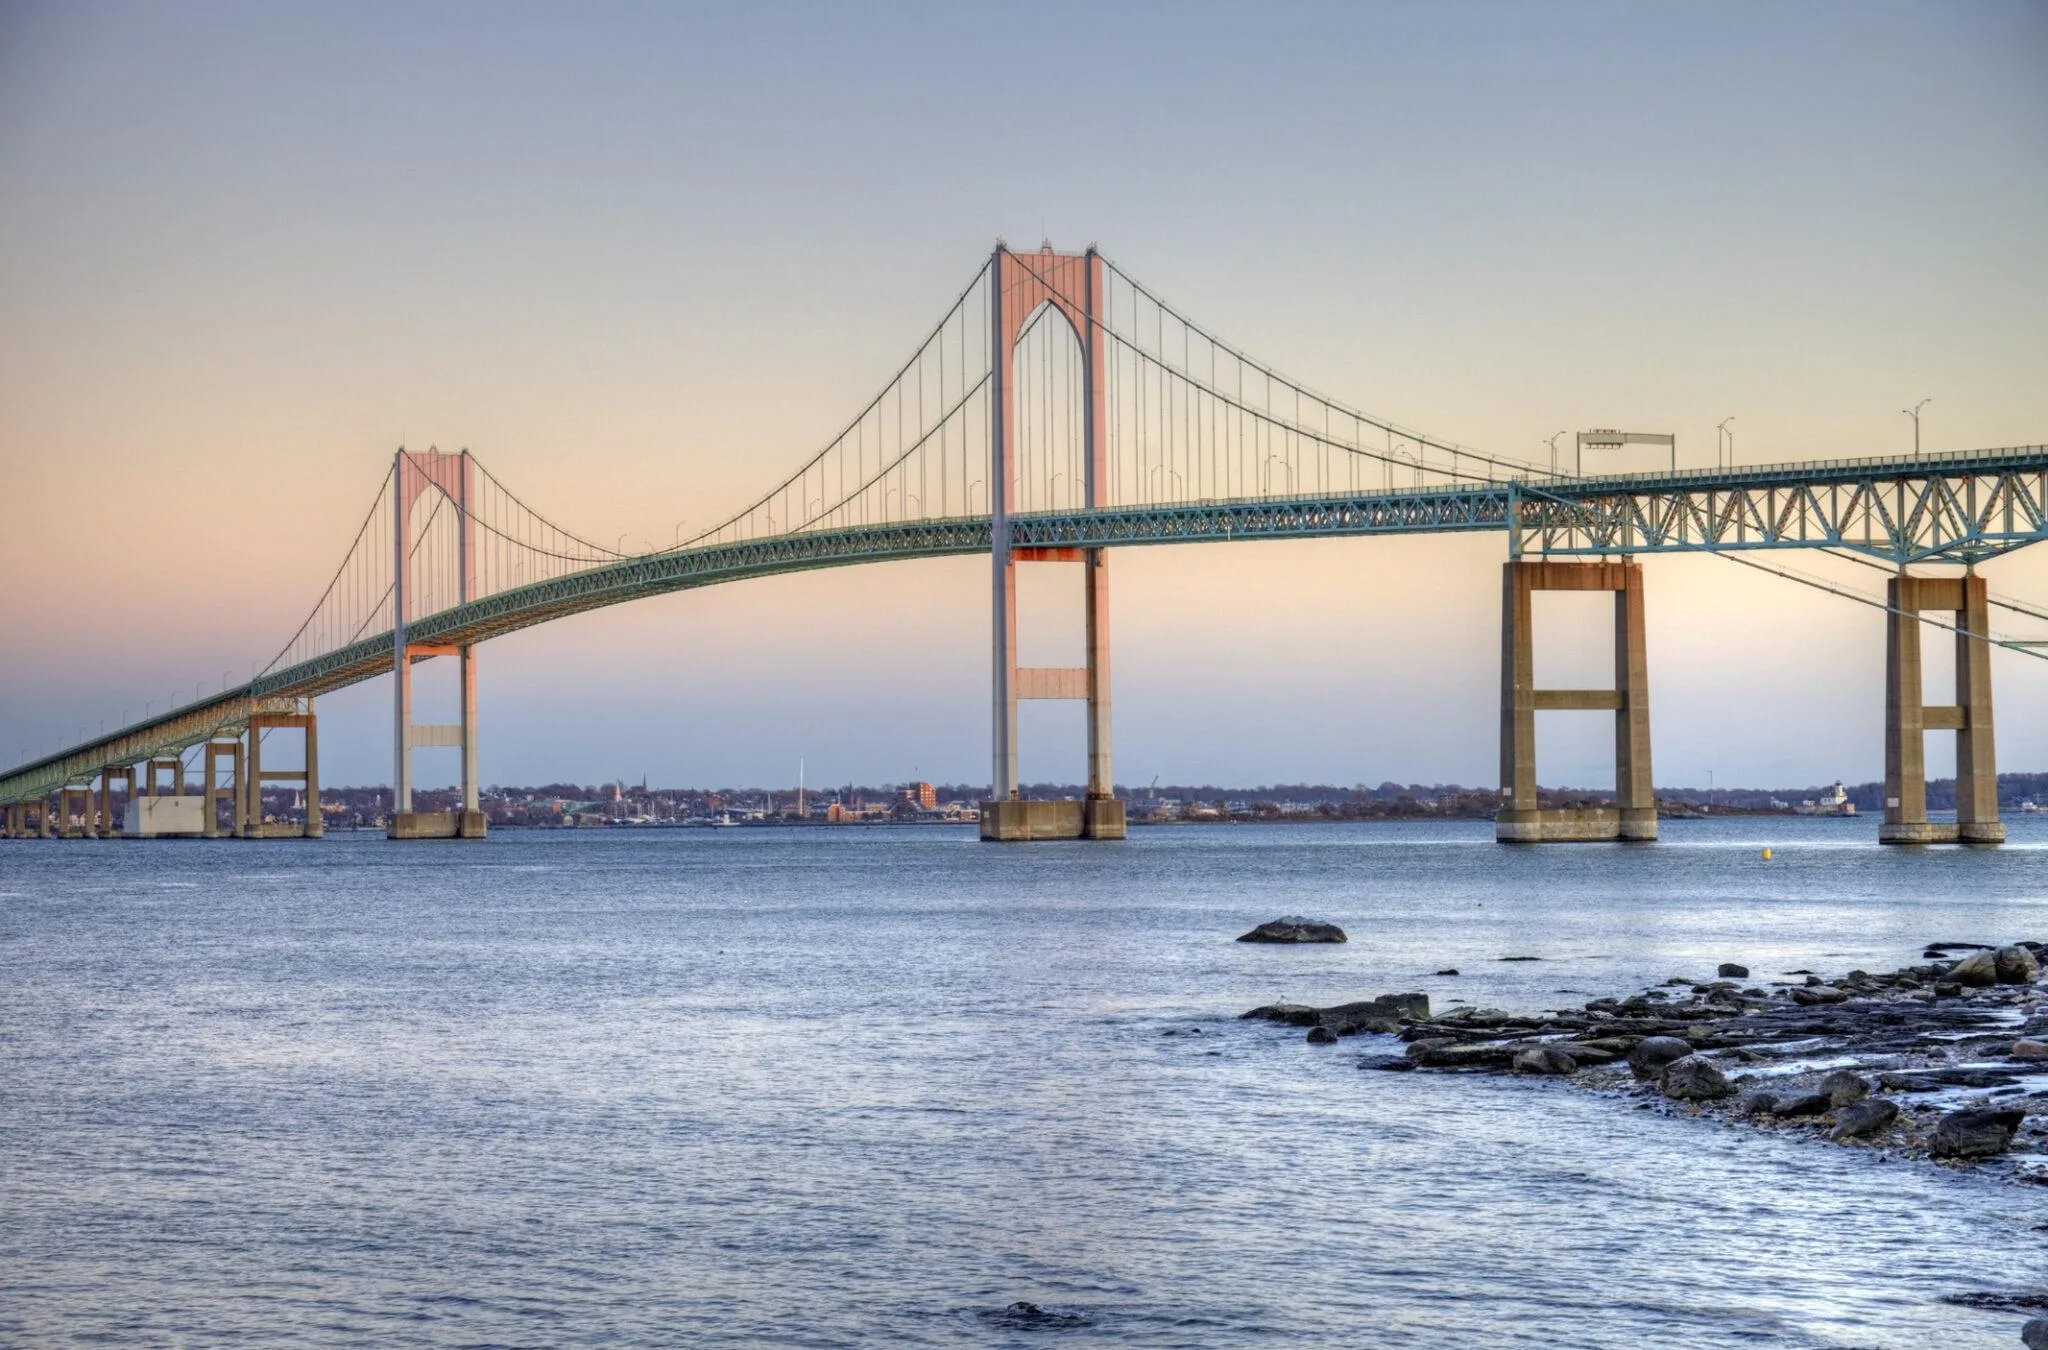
{"x": 1961, "y": 507}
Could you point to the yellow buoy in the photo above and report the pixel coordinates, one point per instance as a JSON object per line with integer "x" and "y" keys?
{"x": 1767, "y": 855}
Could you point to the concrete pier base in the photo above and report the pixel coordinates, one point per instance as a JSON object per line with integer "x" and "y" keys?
{"x": 152, "y": 817}
{"x": 1588, "y": 825}
{"x": 1016, "y": 821}
{"x": 436, "y": 825}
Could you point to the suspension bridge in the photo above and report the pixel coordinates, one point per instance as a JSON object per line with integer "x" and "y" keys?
{"x": 1058, "y": 411}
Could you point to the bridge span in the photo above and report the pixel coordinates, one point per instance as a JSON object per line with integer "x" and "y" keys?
{"x": 1058, "y": 412}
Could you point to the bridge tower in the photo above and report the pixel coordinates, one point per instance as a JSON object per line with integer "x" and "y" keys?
{"x": 1907, "y": 718}
{"x": 1071, "y": 285}
{"x": 454, "y": 476}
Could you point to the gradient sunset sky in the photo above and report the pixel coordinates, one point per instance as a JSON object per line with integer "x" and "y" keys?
{"x": 643, "y": 260}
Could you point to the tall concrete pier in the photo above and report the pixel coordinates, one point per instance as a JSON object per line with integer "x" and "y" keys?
{"x": 1907, "y": 718}
{"x": 1521, "y": 820}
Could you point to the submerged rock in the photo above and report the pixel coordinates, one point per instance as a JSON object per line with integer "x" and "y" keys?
{"x": 1023, "y": 1313}
{"x": 1295, "y": 928}
{"x": 1974, "y": 1134}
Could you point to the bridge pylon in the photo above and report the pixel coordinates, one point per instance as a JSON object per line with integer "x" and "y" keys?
{"x": 454, "y": 476}
{"x": 1521, "y": 819}
{"x": 1071, "y": 285}
{"x": 1907, "y": 717}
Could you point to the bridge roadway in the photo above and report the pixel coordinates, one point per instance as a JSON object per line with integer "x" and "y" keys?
{"x": 1958, "y": 508}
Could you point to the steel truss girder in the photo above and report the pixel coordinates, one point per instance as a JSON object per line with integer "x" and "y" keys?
{"x": 1941, "y": 516}
{"x": 1952, "y": 508}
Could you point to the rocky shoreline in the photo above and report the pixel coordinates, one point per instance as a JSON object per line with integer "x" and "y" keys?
{"x": 1946, "y": 1060}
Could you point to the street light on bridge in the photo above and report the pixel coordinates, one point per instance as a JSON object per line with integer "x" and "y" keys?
{"x": 1729, "y": 437}
{"x": 1914, "y": 413}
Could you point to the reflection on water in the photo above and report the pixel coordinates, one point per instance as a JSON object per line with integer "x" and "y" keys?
{"x": 864, "y": 1087}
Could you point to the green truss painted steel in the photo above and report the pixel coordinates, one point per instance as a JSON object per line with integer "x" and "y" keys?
{"x": 1958, "y": 508}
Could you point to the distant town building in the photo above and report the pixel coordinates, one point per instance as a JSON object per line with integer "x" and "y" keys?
{"x": 923, "y": 796}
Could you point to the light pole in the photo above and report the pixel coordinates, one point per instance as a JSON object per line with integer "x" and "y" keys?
{"x": 1728, "y": 436}
{"x": 1552, "y": 443}
{"x": 1914, "y": 413}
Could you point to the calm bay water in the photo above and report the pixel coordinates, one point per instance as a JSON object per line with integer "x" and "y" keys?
{"x": 870, "y": 1087}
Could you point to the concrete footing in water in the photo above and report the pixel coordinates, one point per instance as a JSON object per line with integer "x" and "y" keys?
{"x": 1013, "y": 821}
{"x": 436, "y": 825}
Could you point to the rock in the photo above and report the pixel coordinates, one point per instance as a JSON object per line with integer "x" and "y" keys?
{"x": 1294, "y": 928}
{"x": 1864, "y": 1118}
{"x": 1452, "y": 1056}
{"x": 1294, "y": 1014}
{"x": 1974, "y": 1134}
{"x": 1383, "y": 1014}
{"x": 2015, "y": 965}
{"x": 1694, "y": 1079}
{"x": 2025, "y": 1049}
{"x": 1652, "y": 1053}
{"x": 1843, "y": 1087}
{"x": 1947, "y": 989}
{"x": 1757, "y": 1104}
{"x": 1026, "y": 1314}
{"x": 1389, "y": 1063}
{"x": 2034, "y": 1335}
{"x": 1448, "y": 970}
{"x": 1547, "y": 1059}
{"x": 1819, "y": 993}
{"x": 1321, "y": 1036}
{"x": 1730, "y": 971}
{"x": 1805, "y": 1104}
{"x": 1975, "y": 971}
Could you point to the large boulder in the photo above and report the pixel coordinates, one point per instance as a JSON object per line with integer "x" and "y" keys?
{"x": 2015, "y": 965}
{"x": 2034, "y": 1335}
{"x": 1804, "y": 1104}
{"x": 1974, "y": 1134}
{"x": 1864, "y": 1118}
{"x": 1694, "y": 1079}
{"x": 1545, "y": 1059}
{"x": 1819, "y": 993}
{"x": 1729, "y": 970}
{"x": 1975, "y": 971}
{"x": 1294, "y": 928}
{"x": 1652, "y": 1053}
{"x": 1843, "y": 1087}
